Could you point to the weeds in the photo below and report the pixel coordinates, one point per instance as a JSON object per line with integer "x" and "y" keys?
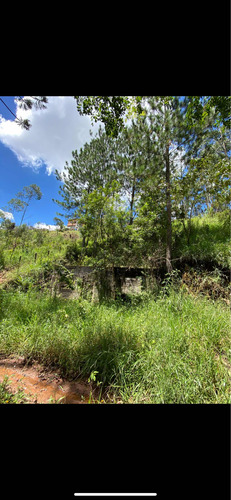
{"x": 8, "y": 397}
{"x": 166, "y": 349}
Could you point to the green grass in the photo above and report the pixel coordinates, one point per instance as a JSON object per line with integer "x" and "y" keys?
{"x": 8, "y": 397}
{"x": 34, "y": 248}
{"x": 166, "y": 349}
{"x": 209, "y": 239}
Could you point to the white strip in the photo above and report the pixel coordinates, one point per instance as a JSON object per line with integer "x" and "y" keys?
{"x": 115, "y": 494}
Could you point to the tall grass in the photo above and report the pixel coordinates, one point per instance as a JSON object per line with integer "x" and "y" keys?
{"x": 24, "y": 249}
{"x": 167, "y": 349}
{"x": 204, "y": 238}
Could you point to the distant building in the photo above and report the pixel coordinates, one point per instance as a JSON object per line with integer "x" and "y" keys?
{"x": 72, "y": 224}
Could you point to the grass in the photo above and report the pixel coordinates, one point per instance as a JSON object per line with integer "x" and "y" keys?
{"x": 34, "y": 248}
{"x": 173, "y": 347}
{"x": 209, "y": 239}
{"x": 8, "y": 397}
{"x": 165, "y": 349}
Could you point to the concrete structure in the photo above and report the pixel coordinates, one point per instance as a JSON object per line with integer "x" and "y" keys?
{"x": 102, "y": 283}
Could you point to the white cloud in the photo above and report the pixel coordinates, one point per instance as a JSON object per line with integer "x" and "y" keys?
{"x": 7, "y": 215}
{"x": 55, "y": 132}
{"x": 43, "y": 225}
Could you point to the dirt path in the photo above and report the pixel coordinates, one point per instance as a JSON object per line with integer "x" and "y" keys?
{"x": 41, "y": 385}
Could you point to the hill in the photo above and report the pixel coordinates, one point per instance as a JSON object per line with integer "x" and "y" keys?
{"x": 171, "y": 344}
{"x": 203, "y": 242}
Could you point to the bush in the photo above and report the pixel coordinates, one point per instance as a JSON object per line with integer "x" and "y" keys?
{"x": 73, "y": 252}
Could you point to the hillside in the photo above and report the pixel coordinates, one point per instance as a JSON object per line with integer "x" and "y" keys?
{"x": 204, "y": 243}
{"x": 170, "y": 344}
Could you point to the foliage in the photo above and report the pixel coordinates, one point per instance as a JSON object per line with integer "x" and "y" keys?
{"x": 73, "y": 252}
{"x": 23, "y": 198}
{"x": 200, "y": 106}
{"x": 46, "y": 246}
{"x": 203, "y": 239}
{"x": 8, "y": 397}
{"x": 138, "y": 245}
{"x": 108, "y": 109}
{"x": 153, "y": 192}
{"x": 38, "y": 102}
{"x": 158, "y": 169}
{"x": 59, "y": 223}
{"x": 2, "y": 259}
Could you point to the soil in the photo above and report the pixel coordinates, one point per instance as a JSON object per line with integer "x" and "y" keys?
{"x": 44, "y": 386}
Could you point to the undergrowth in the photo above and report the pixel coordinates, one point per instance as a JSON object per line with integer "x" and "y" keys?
{"x": 204, "y": 238}
{"x": 163, "y": 349}
{"x": 9, "y": 397}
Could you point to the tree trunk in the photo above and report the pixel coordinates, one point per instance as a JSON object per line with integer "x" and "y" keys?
{"x": 132, "y": 203}
{"x": 169, "y": 213}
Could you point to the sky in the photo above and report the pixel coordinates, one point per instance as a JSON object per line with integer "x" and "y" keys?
{"x": 31, "y": 156}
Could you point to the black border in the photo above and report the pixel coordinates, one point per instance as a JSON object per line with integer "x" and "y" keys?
{"x": 178, "y": 451}
{"x": 52, "y": 451}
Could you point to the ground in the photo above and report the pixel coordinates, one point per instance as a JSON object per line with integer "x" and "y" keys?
{"x": 44, "y": 386}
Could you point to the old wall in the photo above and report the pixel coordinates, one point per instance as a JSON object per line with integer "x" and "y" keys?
{"x": 102, "y": 283}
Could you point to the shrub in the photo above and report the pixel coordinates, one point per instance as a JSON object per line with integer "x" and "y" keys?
{"x": 73, "y": 252}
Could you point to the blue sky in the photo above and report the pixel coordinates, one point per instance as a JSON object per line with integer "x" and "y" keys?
{"x": 31, "y": 157}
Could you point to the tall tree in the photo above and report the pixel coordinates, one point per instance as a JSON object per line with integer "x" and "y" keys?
{"x": 164, "y": 166}
{"x": 23, "y": 199}
{"x": 132, "y": 154}
{"x": 164, "y": 115}
{"x": 91, "y": 168}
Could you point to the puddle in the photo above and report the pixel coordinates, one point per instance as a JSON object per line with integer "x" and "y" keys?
{"x": 42, "y": 386}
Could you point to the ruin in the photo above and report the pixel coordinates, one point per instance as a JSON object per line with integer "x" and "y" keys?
{"x": 109, "y": 282}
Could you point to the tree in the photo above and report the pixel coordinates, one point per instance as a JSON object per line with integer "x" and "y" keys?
{"x": 164, "y": 117}
{"x": 163, "y": 167}
{"x": 199, "y": 107}
{"x": 38, "y": 102}
{"x": 92, "y": 167}
{"x": 205, "y": 184}
{"x": 6, "y": 222}
{"x": 23, "y": 199}
{"x": 132, "y": 148}
{"x": 110, "y": 110}
{"x": 103, "y": 220}
{"x": 59, "y": 223}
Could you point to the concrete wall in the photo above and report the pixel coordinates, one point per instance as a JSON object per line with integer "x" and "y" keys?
{"x": 102, "y": 283}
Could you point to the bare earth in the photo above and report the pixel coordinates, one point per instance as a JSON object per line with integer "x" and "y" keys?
{"x": 41, "y": 385}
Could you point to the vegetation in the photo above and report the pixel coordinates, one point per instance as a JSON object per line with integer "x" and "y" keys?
{"x": 128, "y": 191}
{"x": 152, "y": 194}
{"x": 34, "y": 249}
{"x": 168, "y": 345}
{"x": 202, "y": 239}
{"x": 8, "y": 397}
{"x": 38, "y": 102}
{"x": 165, "y": 349}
